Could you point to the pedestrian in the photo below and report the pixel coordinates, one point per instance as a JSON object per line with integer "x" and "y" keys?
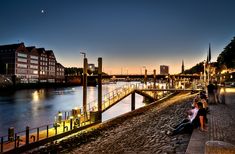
{"x": 222, "y": 94}
{"x": 211, "y": 94}
{"x": 217, "y": 93}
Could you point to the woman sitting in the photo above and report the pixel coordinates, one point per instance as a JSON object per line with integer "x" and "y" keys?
{"x": 187, "y": 126}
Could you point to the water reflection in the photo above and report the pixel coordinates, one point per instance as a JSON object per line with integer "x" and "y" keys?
{"x": 38, "y": 107}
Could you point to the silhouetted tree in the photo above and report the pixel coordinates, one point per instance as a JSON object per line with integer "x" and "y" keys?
{"x": 227, "y": 56}
{"x": 195, "y": 69}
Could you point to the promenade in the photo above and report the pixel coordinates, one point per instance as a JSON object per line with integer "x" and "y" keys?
{"x": 221, "y": 125}
{"x": 146, "y": 130}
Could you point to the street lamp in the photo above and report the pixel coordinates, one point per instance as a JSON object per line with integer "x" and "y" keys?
{"x": 145, "y": 75}
{"x": 84, "y": 84}
{"x": 84, "y": 54}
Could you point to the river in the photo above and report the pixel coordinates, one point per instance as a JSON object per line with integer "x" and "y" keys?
{"x": 34, "y": 108}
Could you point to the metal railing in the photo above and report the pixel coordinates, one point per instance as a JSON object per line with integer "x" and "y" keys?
{"x": 31, "y": 135}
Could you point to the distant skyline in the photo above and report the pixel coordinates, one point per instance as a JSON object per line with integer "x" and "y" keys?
{"x": 128, "y": 34}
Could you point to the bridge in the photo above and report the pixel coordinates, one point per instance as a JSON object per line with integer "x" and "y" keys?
{"x": 120, "y": 93}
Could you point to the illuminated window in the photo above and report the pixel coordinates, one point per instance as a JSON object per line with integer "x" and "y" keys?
{"x": 22, "y": 60}
{"x": 22, "y": 55}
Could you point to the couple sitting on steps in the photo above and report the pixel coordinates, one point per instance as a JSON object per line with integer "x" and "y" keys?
{"x": 196, "y": 119}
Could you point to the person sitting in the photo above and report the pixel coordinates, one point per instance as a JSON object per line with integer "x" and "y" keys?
{"x": 197, "y": 119}
{"x": 204, "y": 102}
{"x": 195, "y": 101}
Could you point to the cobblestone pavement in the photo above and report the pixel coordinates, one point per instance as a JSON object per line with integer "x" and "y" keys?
{"x": 146, "y": 133}
{"x": 221, "y": 123}
{"x": 222, "y": 119}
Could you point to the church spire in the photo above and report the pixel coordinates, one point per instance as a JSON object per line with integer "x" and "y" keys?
{"x": 182, "y": 69}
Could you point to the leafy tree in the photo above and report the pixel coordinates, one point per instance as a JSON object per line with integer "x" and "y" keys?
{"x": 73, "y": 71}
{"x": 227, "y": 56}
{"x": 195, "y": 69}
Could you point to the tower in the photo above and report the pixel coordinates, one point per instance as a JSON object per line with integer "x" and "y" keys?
{"x": 182, "y": 69}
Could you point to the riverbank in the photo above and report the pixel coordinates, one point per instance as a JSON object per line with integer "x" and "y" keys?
{"x": 143, "y": 130}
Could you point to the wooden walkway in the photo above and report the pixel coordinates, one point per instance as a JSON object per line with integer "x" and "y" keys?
{"x": 118, "y": 94}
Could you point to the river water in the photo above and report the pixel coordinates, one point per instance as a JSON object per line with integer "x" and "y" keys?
{"x": 34, "y": 108}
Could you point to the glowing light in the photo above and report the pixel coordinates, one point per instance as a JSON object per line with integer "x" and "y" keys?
{"x": 230, "y": 90}
{"x": 60, "y": 114}
{"x": 223, "y": 71}
{"x": 35, "y": 96}
{"x": 35, "y": 72}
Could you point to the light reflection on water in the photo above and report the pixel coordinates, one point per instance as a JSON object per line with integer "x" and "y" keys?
{"x": 34, "y": 108}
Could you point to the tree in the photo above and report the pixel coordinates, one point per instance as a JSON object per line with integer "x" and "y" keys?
{"x": 227, "y": 56}
{"x": 195, "y": 69}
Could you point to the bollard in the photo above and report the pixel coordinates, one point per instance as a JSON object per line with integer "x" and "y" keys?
{"x": 66, "y": 127}
{"x": 56, "y": 130}
{"x": 27, "y": 135}
{"x": 11, "y": 132}
{"x": 18, "y": 141}
{"x": 15, "y": 139}
{"x": 37, "y": 134}
{"x": 33, "y": 137}
{"x": 1, "y": 144}
{"x": 63, "y": 125}
{"x": 71, "y": 124}
{"x": 133, "y": 101}
{"x": 47, "y": 131}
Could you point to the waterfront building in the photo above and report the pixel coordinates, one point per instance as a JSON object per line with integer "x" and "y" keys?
{"x": 59, "y": 77}
{"x": 33, "y": 64}
{"x": 51, "y": 66}
{"x": 29, "y": 64}
{"x": 43, "y": 65}
{"x": 164, "y": 70}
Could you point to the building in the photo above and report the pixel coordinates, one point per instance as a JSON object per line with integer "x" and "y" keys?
{"x": 59, "y": 73}
{"x": 29, "y": 64}
{"x": 33, "y": 65}
{"x": 164, "y": 70}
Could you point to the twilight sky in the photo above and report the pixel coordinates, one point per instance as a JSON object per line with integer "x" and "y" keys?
{"x": 128, "y": 34}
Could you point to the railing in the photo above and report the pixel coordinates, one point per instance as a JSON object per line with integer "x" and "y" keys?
{"x": 31, "y": 135}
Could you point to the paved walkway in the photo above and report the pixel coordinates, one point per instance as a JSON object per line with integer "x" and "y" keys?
{"x": 221, "y": 125}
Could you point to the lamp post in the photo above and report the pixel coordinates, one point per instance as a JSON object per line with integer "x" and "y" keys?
{"x": 145, "y": 75}
{"x": 84, "y": 84}
{"x": 100, "y": 89}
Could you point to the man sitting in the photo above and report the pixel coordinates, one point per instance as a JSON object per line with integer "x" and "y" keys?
{"x": 195, "y": 120}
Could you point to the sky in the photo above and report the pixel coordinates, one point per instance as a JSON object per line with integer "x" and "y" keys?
{"x": 128, "y": 34}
